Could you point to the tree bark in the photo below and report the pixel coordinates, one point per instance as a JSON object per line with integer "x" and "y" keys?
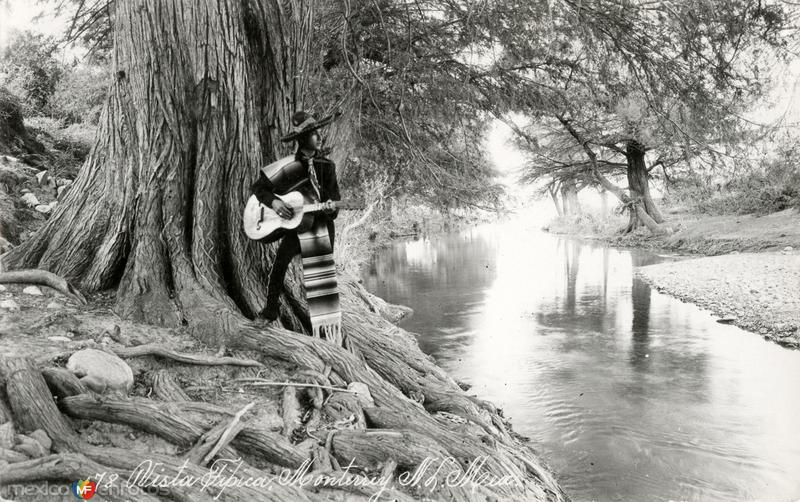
{"x": 639, "y": 179}
{"x": 554, "y": 195}
{"x": 202, "y": 93}
{"x": 569, "y": 198}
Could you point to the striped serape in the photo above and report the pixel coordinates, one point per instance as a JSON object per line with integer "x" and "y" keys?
{"x": 319, "y": 277}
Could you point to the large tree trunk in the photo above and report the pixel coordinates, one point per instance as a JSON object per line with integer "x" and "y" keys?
{"x": 202, "y": 92}
{"x": 639, "y": 179}
{"x": 569, "y": 197}
{"x": 554, "y": 196}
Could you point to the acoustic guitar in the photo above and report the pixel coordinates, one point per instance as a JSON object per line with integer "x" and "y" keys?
{"x": 262, "y": 223}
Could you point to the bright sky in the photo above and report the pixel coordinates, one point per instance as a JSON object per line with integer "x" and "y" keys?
{"x": 19, "y": 15}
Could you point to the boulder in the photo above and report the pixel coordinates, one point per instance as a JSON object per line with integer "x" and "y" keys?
{"x": 100, "y": 371}
{"x": 29, "y": 447}
{"x": 42, "y": 438}
{"x": 30, "y": 200}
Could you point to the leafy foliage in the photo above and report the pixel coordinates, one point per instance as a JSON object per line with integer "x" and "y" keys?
{"x": 29, "y": 69}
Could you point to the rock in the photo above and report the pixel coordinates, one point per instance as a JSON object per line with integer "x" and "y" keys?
{"x": 42, "y": 177}
{"x": 362, "y": 394}
{"x": 43, "y": 208}
{"x": 32, "y": 290}
{"x": 30, "y": 200}
{"x": 25, "y": 190}
{"x": 788, "y": 248}
{"x": 2, "y": 288}
{"x": 59, "y": 339}
{"x": 29, "y": 447}
{"x": 101, "y": 371}
{"x": 55, "y": 305}
{"x": 9, "y": 305}
{"x": 42, "y": 438}
{"x": 61, "y": 190}
{"x": 53, "y": 204}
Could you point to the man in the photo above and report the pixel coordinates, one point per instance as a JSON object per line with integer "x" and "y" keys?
{"x": 315, "y": 176}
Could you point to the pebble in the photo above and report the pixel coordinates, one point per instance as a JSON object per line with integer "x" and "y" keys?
{"x": 30, "y": 200}
{"x": 9, "y": 305}
{"x": 25, "y": 190}
{"x": 55, "y": 305}
{"x": 32, "y": 290}
{"x": 42, "y": 177}
{"x": 43, "y": 208}
{"x": 2, "y": 288}
{"x": 59, "y": 339}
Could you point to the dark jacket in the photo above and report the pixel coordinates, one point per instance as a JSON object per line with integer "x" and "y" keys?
{"x": 325, "y": 169}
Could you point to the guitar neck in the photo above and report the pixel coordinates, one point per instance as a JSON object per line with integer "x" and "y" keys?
{"x": 319, "y": 206}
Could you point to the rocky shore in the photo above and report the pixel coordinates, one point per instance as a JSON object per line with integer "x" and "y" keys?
{"x": 759, "y": 292}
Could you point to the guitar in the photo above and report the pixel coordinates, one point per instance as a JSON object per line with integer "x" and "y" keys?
{"x": 262, "y": 223}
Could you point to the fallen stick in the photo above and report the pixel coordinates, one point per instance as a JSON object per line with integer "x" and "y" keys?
{"x": 152, "y": 349}
{"x": 217, "y": 438}
{"x": 42, "y": 278}
{"x": 258, "y": 382}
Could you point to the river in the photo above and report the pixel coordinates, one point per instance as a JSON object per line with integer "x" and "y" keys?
{"x": 628, "y": 394}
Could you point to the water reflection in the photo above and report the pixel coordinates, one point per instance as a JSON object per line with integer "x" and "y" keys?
{"x": 629, "y": 394}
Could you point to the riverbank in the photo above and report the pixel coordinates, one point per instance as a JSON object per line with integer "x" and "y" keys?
{"x": 759, "y": 292}
{"x": 749, "y": 276}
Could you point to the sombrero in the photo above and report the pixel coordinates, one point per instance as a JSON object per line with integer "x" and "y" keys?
{"x": 303, "y": 123}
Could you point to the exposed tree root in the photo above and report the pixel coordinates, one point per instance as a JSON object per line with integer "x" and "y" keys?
{"x": 68, "y": 467}
{"x": 42, "y": 278}
{"x": 165, "y": 387}
{"x": 161, "y": 351}
{"x": 182, "y": 424}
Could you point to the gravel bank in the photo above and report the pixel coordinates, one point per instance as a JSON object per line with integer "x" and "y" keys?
{"x": 759, "y": 292}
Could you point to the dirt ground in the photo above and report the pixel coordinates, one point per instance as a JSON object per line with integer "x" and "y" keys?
{"x": 715, "y": 235}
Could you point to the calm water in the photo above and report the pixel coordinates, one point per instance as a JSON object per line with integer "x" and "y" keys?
{"x": 627, "y": 393}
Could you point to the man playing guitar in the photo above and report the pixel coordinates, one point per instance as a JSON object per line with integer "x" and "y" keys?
{"x": 315, "y": 177}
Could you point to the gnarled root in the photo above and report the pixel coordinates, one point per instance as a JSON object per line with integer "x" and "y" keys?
{"x": 42, "y": 278}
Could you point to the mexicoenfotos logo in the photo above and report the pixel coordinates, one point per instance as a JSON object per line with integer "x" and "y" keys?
{"x": 83, "y": 488}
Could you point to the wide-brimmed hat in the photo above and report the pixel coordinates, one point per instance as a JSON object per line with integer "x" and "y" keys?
{"x": 303, "y": 123}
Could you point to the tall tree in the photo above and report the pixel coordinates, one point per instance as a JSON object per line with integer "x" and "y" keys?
{"x": 625, "y": 78}
{"x": 202, "y": 92}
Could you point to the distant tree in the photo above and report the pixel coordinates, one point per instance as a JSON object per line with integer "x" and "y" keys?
{"x": 625, "y": 78}
{"x": 28, "y": 68}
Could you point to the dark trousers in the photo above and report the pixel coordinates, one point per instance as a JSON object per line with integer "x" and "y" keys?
{"x": 287, "y": 250}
